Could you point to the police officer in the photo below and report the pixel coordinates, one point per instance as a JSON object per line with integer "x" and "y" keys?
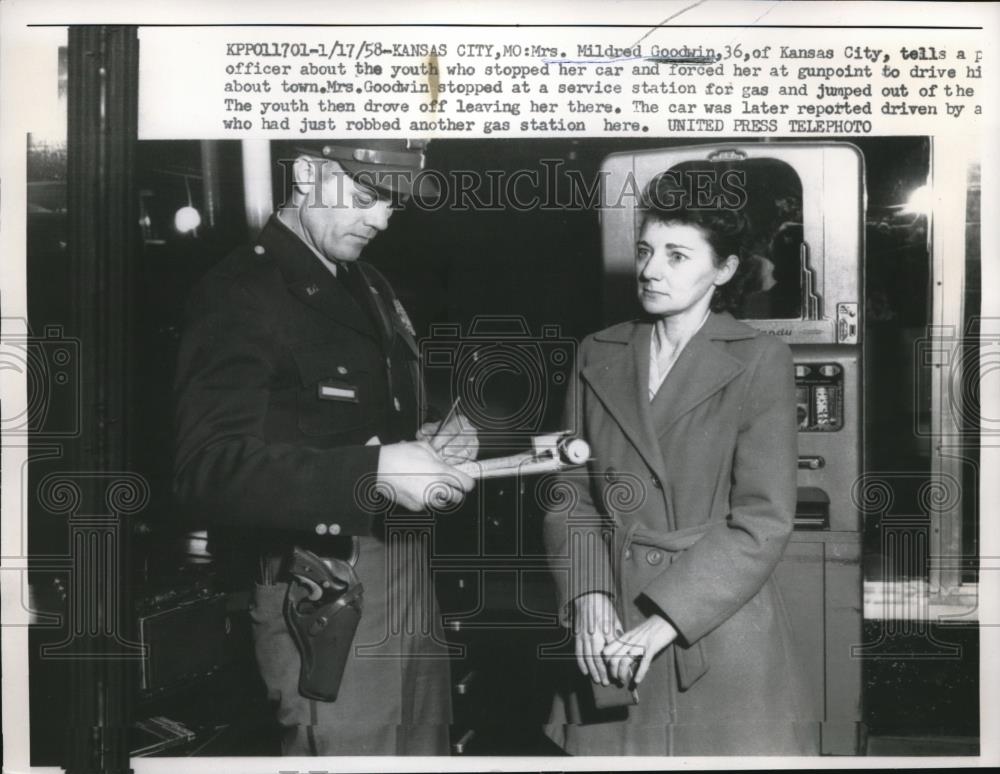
{"x": 296, "y": 397}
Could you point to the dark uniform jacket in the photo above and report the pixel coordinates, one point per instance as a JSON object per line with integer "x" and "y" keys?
{"x": 286, "y": 375}
{"x": 283, "y": 376}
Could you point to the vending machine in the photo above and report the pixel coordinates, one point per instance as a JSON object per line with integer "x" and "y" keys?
{"x": 805, "y": 205}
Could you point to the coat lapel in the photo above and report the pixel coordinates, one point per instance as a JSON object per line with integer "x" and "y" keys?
{"x": 703, "y": 368}
{"x": 620, "y": 382}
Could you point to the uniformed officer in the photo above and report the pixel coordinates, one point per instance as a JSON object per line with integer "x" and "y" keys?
{"x": 297, "y": 391}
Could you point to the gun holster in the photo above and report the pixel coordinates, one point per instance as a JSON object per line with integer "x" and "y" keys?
{"x": 322, "y": 609}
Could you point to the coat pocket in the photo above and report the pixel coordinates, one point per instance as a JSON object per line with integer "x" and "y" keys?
{"x": 692, "y": 664}
{"x": 649, "y": 553}
{"x": 334, "y": 397}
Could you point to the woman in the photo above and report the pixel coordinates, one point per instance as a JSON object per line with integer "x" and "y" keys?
{"x": 664, "y": 558}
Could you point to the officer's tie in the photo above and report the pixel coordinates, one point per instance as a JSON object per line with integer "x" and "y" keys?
{"x": 352, "y": 277}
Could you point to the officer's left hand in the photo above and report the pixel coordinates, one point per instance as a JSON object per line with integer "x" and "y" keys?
{"x": 641, "y": 645}
{"x": 455, "y": 442}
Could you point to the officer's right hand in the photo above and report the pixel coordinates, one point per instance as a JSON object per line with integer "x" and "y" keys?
{"x": 417, "y": 478}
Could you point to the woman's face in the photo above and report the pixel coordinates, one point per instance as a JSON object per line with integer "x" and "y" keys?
{"x": 676, "y": 269}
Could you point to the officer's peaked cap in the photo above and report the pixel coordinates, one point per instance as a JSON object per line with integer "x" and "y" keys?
{"x": 393, "y": 166}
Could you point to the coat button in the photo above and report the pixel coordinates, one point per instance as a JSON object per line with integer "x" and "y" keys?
{"x": 654, "y": 557}
{"x": 657, "y": 484}
{"x": 610, "y": 475}
{"x": 341, "y": 370}
{"x": 628, "y": 553}
{"x": 259, "y": 249}
{"x": 321, "y": 529}
{"x": 396, "y": 404}
{"x": 334, "y": 529}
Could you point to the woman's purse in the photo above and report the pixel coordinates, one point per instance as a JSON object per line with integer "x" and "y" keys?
{"x": 614, "y": 695}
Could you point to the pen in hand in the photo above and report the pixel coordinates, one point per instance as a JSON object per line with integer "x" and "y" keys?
{"x": 447, "y": 431}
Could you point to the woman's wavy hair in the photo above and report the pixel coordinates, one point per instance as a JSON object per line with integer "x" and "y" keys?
{"x": 667, "y": 199}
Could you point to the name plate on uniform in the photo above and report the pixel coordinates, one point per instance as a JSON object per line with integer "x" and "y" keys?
{"x": 337, "y": 389}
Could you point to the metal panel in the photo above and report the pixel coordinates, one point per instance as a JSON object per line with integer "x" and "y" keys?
{"x": 820, "y": 581}
{"x": 949, "y": 188}
{"x": 103, "y": 230}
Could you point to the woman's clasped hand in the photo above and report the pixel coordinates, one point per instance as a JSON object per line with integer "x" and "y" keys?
{"x": 605, "y": 652}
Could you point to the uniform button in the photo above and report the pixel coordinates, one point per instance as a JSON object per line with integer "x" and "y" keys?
{"x": 321, "y": 529}
{"x": 396, "y": 404}
{"x": 341, "y": 370}
{"x": 610, "y": 475}
{"x": 259, "y": 249}
{"x": 656, "y": 483}
{"x": 654, "y": 557}
{"x": 334, "y": 529}
{"x": 628, "y": 553}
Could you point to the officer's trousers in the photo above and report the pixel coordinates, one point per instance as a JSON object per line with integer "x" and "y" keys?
{"x": 395, "y": 695}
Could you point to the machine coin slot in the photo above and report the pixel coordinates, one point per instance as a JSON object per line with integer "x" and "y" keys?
{"x": 812, "y": 508}
{"x": 847, "y": 323}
